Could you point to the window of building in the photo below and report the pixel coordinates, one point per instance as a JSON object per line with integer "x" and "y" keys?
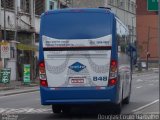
{"x": 39, "y": 7}
{"x": 135, "y": 6}
{"x": 121, "y": 4}
{"x": 117, "y": 3}
{"x": 114, "y": 2}
{"x": 132, "y": 7}
{"x": 24, "y": 5}
{"x": 51, "y": 5}
{"x": 36, "y": 38}
{"x": 128, "y": 5}
{"x": 8, "y": 3}
{"x": 111, "y": 2}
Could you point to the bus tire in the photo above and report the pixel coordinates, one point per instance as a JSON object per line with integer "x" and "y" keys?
{"x": 126, "y": 100}
{"x": 56, "y": 109}
{"x": 118, "y": 109}
{"x": 66, "y": 109}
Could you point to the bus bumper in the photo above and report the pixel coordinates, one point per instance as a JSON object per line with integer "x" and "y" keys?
{"x": 88, "y": 95}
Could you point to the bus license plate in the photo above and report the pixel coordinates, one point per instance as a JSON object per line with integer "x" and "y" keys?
{"x": 77, "y": 80}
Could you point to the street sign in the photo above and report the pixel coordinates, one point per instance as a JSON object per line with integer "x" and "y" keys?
{"x": 5, "y": 74}
{"x": 152, "y": 5}
{"x": 26, "y": 74}
{"x": 5, "y": 50}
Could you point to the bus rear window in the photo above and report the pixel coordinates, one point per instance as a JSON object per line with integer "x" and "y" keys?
{"x": 76, "y": 25}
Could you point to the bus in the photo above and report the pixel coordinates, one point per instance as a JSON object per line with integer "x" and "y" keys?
{"x": 84, "y": 58}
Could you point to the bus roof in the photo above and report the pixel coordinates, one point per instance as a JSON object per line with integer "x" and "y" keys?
{"x": 68, "y": 10}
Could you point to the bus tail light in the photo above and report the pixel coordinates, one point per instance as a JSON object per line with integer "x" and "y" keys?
{"x": 113, "y": 66}
{"x": 112, "y": 82}
{"x": 113, "y": 73}
{"x": 42, "y": 74}
{"x": 44, "y": 83}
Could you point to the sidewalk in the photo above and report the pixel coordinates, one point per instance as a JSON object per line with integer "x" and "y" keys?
{"x": 17, "y": 87}
{"x": 144, "y": 71}
{"x": 19, "y": 91}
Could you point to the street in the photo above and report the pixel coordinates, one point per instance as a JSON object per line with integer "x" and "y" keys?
{"x": 144, "y": 100}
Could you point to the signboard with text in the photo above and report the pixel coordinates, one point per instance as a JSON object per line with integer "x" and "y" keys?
{"x": 152, "y": 5}
{"x": 5, "y": 74}
{"x": 26, "y": 74}
{"x": 5, "y": 50}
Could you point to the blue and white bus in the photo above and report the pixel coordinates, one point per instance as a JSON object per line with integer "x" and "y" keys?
{"x": 83, "y": 59}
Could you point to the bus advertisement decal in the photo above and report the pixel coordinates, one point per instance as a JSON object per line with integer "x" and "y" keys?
{"x": 49, "y": 42}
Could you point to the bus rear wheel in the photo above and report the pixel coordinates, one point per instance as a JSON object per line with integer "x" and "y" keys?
{"x": 118, "y": 108}
{"x": 126, "y": 100}
{"x": 66, "y": 109}
{"x": 56, "y": 109}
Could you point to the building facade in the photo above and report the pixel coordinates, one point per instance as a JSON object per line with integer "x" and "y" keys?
{"x": 124, "y": 9}
{"x": 147, "y": 32}
{"x": 20, "y": 24}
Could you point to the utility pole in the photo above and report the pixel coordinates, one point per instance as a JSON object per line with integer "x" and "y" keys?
{"x": 32, "y": 12}
{"x": 0, "y": 23}
{"x": 15, "y": 36}
{"x": 4, "y": 1}
{"x": 3, "y": 60}
{"x": 148, "y": 55}
{"x": 16, "y": 21}
{"x": 159, "y": 36}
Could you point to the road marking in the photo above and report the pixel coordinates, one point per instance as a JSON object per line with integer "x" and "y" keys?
{"x": 24, "y": 110}
{"x": 139, "y": 80}
{"x": 151, "y": 84}
{"x": 140, "y": 108}
{"x": 17, "y": 94}
{"x": 139, "y": 87}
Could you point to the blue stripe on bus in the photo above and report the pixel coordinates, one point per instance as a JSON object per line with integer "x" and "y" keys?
{"x": 85, "y": 94}
{"x": 114, "y": 54}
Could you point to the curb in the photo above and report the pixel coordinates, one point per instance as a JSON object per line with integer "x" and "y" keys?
{"x": 18, "y": 92}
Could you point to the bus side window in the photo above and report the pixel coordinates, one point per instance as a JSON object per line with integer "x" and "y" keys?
{"x": 122, "y": 38}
